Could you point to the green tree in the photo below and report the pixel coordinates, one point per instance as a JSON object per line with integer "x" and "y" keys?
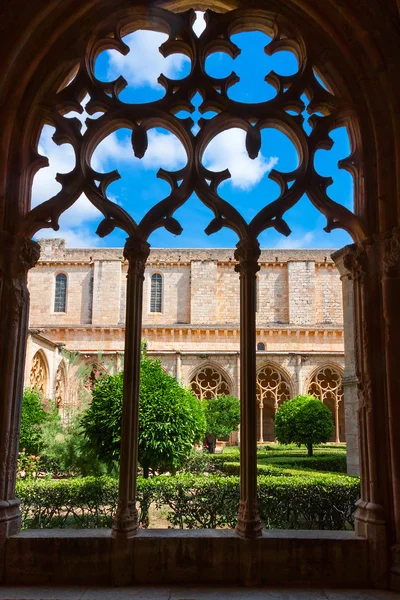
{"x": 171, "y": 419}
{"x": 222, "y": 417}
{"x": 304, "y": 420}
{"x": 33, "y": 419}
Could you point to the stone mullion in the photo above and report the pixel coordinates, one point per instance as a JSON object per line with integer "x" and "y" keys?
{"x": 391, "y": 295}
{"x": 249, "y": 524}
{"x": 126, "y": 518}
{"x": 18, "y": 255}
{"x": 373, "y": 508}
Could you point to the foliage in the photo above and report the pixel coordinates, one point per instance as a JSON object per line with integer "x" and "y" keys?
{"x": 306, "y": 502}
{"x": 303, "y": 420}
{"x": 335, "y": 463}
{"x": 222, "y": 417}
{"x": 233, "y": 468}
{"x": 29, "y": 466}
{"x": 171, "y": 419}
{"x": 34, "y": 417}
{"x": 66, "y": 451}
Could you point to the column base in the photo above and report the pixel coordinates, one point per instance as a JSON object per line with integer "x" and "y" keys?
{"x": 248, "y": 524}
{"x": 10, "y": 518}
{"x": 370, "y": 524}
{"x": 126, "y": 522}
{"x": 395, "y": 568}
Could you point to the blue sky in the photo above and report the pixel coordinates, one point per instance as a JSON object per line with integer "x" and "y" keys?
{"x": 249, "y": 188}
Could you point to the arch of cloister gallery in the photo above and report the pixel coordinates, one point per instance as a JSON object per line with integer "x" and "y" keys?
{"x": 49, "y": 51}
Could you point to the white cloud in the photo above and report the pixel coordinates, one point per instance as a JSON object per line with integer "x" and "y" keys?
{"x": 82, "y": 237}
{"x": 227, "y": 151}
{"x": 293, "y": 242}
{"x": 164, "y": 150}
{"x": 144, "y": 63}
{"x": 199, "y": 25}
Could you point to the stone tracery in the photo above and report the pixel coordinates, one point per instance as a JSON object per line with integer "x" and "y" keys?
{"x": 273, "y": 389}
{"x": 38, "y": 375}
{"x": 282, "y": 112}
{"x": 326, "y": 385}
{"x": 209, "y": 382}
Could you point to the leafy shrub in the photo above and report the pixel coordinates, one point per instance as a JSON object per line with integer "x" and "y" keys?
{"x": 33, "y": 417}
{"x": 303, "y": 420}
{"x": 310, "y": 502}
{"x": 222, "y": 417}
{"x": 171, "y": 419}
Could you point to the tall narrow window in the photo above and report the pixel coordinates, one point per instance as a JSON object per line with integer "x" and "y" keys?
{"x": 60, "y": 299}
{"x": 156, "y": 293}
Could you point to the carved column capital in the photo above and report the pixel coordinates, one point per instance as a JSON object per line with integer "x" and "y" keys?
{"x": 391, "y": 253}
{"x": 136, "y": 252}
{"x": 247, "y": 254}
{"x": 355, "y": 261}
{"x": 17, "y": 254}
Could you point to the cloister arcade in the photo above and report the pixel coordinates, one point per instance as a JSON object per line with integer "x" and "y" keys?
{"x": 49, "y": 51}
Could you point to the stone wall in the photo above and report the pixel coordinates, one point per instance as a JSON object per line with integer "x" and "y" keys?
{"x": 199, "y": 287}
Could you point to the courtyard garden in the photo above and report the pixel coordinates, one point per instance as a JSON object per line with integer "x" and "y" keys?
{"x": 68, "y": 472}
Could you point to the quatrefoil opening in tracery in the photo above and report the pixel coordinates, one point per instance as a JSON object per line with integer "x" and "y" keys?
{"x": 134, "y": 124}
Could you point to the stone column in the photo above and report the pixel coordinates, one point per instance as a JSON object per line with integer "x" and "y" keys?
{"x": 374, "y": 510}
{"x": 249, "y": 524}
{"x": 17, "y": 256}
{"x": 178, "y": 366}
{"x": 238, "y": 386}
{"x": 391, "y": 313}
{"x": 126, "y": 518}
{"x": 350, "y": 395}
{"x": 261, "y": 406}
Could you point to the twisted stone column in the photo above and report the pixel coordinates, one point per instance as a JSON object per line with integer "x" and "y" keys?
{"x": 126, "y": 518}
{"x": 249, "y": 524}
{"x": 17, "y": 256}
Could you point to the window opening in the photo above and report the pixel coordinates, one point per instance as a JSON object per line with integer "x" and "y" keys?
{"x": 60, "y": 299}
{"x": 156, "y": 293}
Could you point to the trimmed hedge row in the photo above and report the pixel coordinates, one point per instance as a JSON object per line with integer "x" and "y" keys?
{"x": 296, "y": 502}
{"x": 333, "y": 463}
{"x": 213, "y": 463}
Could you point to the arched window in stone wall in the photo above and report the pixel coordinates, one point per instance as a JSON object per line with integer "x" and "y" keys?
{"x": 326, "y": 385}
{"x": 39, "y": 374}
{"x": 94, "y": 371}
{"x": 156, "y": 293}
{"x": 62, "y": 398}
{"x": 60, "y": 296}
{"x": 273, "y": 388}
{"x": 209, "y": 382}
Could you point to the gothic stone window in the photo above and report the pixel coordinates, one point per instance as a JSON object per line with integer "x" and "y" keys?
{"x": 156, "y": 293}
{"x": 60, "y": 298}
{"x": 272, "y": 390}
{"x": 38, "y": 375}
{"x": 326, "y": 385}
{"x": 209, "y": 382}
{"x": 260, "y": 346}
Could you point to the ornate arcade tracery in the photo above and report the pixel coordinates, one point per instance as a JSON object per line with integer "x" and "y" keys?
{"x": 209, "y": 382}
{"x": 326, "y": 385}
{"x": 273, "y": 388}
{"x": 39, "y": 375}
{"x": 327, "y": 110}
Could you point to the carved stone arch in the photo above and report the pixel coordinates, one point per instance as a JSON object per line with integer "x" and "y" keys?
{"x": 96, "y": 370}
{"x": 273, "y": 387}
{"x": 209, "y": 380}
{"x": 61, "y": 397}
{"x": 325, "y": 383}
{"x": 39, "y": 374}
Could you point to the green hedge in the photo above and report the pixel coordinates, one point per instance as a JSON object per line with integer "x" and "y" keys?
{"x": 193, "y": 501}
{"x": 200, "y": 462}
{"x": 233, "y": 468}
{"x": 329, "y": 462}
